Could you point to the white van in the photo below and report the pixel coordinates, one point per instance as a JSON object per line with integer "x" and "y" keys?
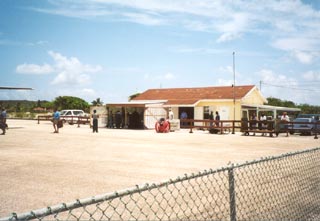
{"x": 71, "y": 116}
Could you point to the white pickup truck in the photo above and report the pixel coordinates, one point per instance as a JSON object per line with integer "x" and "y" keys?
{"x": 72, "y": 116}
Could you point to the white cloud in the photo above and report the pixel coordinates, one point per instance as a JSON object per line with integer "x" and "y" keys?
{"x": 234, "y": 28}
{"x": 144, "y": 19}
{"x": 290, "y": 26}
{"x": 269, "y": 77}
{"x": 34, "y": 69}
{"x": 166, "y": 76}
{"x": 302, "y": 49}
{"x": 279, "y": 85}
{"x": 169, "y": 76}
{"x": 70, "y": 71}
{"x": 303, "y": 57}
{"x": 311, "y": 76}
{"x": 224, "y": 82}
{"x": 294, "y": 43}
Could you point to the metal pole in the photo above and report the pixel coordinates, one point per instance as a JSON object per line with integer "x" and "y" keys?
{"x": 232, "y": 195}
{"x": 234, "y": 85}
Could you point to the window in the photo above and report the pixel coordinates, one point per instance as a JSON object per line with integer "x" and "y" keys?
{"x": 206, "y": 112}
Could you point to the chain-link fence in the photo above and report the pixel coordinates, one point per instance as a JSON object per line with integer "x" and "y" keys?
{"x": 285, "y": 187}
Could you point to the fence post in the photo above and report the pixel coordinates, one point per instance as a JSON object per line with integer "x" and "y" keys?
{"x": 316, "y": 130}
{"x": 233, "y": 125}
{"x": 232, "y": 195}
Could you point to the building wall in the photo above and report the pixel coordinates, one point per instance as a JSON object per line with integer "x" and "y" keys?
{"x": 102, "y": 112}
{"x": 225, "y": 109}
{"x": 152, "y": 114}
{"x": 253, "y": 98}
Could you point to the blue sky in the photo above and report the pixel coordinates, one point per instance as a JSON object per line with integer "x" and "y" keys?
{"x": 111, "y": 49}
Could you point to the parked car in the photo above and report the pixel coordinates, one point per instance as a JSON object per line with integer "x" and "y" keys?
{"x": 72, "y": 116}
{"x": 315, "y": 116}
{"x": 304, "y": 126}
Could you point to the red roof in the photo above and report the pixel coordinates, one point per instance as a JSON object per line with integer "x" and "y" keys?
{"x": 192, "y": 95}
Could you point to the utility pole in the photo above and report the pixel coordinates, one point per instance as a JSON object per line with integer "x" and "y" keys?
{"x": 234, "y": 85}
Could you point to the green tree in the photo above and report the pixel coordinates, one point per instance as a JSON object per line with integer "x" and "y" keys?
{"x": 97, "y": 102}
{"x": 69, "y": 102}
{"x": 305, "y": 108}
{"x": 18, "y": 107}
{"x": 133, "y": 96}
{"x": 309, "y": 109}
{"x": 274, "y": 101}
{"x": 48, "y": 105}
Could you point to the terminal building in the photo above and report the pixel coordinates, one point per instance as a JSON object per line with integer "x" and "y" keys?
{"x": 232, "y": 103}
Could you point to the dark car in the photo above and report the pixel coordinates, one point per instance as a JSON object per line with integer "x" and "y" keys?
{"x": 304, "y": 126}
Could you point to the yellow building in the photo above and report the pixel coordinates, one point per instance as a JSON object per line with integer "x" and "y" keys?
{"x": 232, "y": 103}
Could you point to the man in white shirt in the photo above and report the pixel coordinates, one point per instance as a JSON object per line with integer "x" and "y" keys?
{"x": 171, "y": 114}
{"x": 285, "y": 117}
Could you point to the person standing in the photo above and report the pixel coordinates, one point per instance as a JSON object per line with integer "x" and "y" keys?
{"x": 184, "y": 116}
{"x": 285, "y": 119}
{"x": 3, "y": 121}
{"x": 253, "y": 123}
{"x": 95, "y": 117}
{"x": 4, "y": 116}
{"x": 110, "y": 120}
{"x": 55, "y": 120}
{"x": 118, "y": 119}
{"x": 211, "y": 118}
{"x": 217, "y": 119}
{"x": 171, "y": 116}
{"x": 262, "y": 124}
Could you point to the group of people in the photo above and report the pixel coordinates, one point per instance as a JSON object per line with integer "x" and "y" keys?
{"x": 284, "y": 118}
{"x": 184, "y": 115}
{"x": 58, "y": 123}
{"x": 216, "y": 118}
{"x": 263, "y": 117}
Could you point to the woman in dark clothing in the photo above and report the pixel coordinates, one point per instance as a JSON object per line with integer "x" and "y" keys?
{"x": 95, "y": 117}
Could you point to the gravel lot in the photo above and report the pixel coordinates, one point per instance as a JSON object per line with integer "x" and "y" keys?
{"x": 39, "y": 168}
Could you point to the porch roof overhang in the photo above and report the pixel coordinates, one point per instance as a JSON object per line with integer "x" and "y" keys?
{"x": 136, "y": 103}
{"x": 270, "y": 108}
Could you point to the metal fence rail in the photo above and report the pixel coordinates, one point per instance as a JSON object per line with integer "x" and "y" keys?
{"x": 285, "y": 187}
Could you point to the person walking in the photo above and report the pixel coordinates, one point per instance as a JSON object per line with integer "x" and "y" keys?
{"x": 95, "y": 117}
{"x": 4, "y": 116}
{"x": 3, "y": 121}
{"x": 55, "y": 120}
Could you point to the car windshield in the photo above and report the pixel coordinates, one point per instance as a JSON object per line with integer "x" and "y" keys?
{"x": 77, "y": 112}
{"x": 63, "y": 112}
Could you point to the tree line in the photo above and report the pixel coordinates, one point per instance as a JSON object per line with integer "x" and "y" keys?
{"x": 305, "y": 108}
{"x": 69, "y": 102}
{"x": 61, "y": 102}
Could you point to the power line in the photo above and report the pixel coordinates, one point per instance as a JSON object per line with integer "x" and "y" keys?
{"x": 288, "y": 87}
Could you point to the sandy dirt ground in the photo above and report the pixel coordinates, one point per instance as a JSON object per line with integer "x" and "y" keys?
{"x": 39, "y": 168}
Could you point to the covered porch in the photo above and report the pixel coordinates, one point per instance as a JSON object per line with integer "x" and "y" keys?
{"x": 272, "y": 112}
{"x": 135, "y": 114}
